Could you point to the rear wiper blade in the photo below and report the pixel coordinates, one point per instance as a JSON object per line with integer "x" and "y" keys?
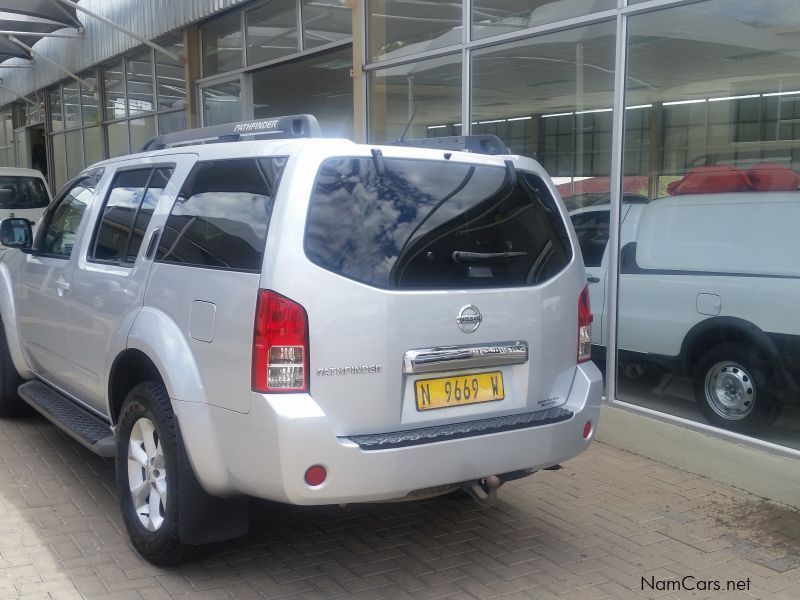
{"x": 460, "y": 256}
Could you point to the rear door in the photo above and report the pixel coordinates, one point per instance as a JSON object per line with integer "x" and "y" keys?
{"x": 436, "y": 292}
{"x": 108, "y": 282}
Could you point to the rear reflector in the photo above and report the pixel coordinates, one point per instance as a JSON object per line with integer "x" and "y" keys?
{"x": 316, "y": 475}
{"x": 280, "y": 345}
{"x": 587, "y": 430}
{"x": 584, "y": 327}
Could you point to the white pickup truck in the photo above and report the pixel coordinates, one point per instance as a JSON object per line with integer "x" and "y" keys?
{"x": 709, "y": 285}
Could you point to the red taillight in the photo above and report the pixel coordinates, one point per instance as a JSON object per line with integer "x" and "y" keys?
{"x": 584, "y": 327}
{"x": 280, "y": 345}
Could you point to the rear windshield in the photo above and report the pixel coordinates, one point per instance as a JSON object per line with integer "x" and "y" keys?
{"x": 17, "y": 193}
{"x": 434, "y": 225}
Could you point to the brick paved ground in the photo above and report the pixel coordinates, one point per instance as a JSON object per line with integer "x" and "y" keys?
{"x": 589, "y": 531}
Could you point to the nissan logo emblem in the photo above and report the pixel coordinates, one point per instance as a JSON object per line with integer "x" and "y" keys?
{"x": 469, "y": 318}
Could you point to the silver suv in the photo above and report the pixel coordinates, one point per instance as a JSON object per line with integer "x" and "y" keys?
{"x": 310, "y": 321}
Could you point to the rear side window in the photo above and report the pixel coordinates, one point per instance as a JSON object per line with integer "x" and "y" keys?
{"x": 592, "y": 229}
{"x": 18, "y": 193}
{"x": 127, "y": 211}
{"x": 434, "y": 225}
{"x": 221, "y": 216}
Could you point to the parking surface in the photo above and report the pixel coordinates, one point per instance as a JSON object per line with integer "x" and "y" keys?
{"x": 592, "y": 530}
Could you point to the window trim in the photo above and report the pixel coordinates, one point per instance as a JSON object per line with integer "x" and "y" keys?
{"x": 90, "y": 251}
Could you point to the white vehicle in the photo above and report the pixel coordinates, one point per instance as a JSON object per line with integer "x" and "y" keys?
{"x": 309, "y": 321}
{"x": 23, "y": 194}
{"x": 708, "y": 288}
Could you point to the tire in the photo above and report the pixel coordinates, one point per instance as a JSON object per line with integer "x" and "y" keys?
{"x": 734, "y": 388}
{"x": 10, "y": 403}
{"x": 147, "y": 460}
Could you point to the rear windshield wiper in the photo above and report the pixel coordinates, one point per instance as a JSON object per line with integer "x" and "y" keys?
{"x": 460, "y": 256}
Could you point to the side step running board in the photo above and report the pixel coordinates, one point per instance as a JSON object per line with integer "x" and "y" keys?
{"x": 91, "y": 431}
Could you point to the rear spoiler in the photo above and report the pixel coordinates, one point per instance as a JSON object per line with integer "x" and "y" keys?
{"x": 480, "y": 144}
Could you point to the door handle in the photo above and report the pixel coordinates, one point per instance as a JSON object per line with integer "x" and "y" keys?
{"x": 62, "y": 286}
{"x": 592, "y": 279}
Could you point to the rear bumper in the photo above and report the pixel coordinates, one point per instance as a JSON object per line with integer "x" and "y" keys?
{"x": 265, "y": 453}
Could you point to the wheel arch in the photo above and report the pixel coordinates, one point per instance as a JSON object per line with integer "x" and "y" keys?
{"x": 130, "y": 368}
{"x": 718, "y": 330}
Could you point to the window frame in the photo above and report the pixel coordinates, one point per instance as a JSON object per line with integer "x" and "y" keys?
{"x": 92, "y": 247}
{"x": 47, "y": 218}
{"x": 184, "y": 193}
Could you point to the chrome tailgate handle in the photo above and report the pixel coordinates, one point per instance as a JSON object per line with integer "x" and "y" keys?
{"x": 445, "y": 358}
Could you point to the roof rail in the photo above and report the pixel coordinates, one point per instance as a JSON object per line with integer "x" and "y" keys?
{"x": 484, "y": 143}
{"x": 288, "y": 127}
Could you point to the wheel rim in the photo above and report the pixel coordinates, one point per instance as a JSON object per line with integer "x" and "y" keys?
{"x": 730, "y": 390}
{"x": 147, "y": 474}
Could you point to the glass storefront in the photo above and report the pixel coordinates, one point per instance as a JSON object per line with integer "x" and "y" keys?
{"x": 327, "y": 91}
{"x": 708, "y": 149}
{"x": 296, "y": 57}
{"x": 709, "y": 270}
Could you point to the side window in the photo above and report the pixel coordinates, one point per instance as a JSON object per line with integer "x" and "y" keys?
{"x": 58, "y": 237}
{"x": 221, "y": 216}
{"x": 126, "y": 214}
{"x": 592, "y": 229}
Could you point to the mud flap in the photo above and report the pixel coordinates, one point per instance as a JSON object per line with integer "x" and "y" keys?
{"x": 204, "y": 518}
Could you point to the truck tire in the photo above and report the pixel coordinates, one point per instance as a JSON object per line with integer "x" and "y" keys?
{"x": 148, "y": 477}
{"x": 10, "y": 402}
{"x": 735, "y": 389}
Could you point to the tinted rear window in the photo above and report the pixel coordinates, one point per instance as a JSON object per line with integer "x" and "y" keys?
{"x": 17, "y": 193}
{"x": 434, "y": 225}
{"x": 221, "y": 216}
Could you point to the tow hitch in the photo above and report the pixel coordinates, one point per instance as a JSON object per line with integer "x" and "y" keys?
{"x": 484, "y": 491}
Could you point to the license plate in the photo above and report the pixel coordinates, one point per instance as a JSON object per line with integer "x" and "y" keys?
{"x": 472, "y": 388}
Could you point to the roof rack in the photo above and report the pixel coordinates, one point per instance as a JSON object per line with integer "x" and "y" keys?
{"x": 288, "y": 127}
{"x": 484, "y": 143}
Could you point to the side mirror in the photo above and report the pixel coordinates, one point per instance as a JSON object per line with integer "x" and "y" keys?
{"x": 16, "y": 233}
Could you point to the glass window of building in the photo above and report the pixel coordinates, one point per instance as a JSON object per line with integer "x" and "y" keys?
{"x": 222, "y": 45}
{"x": 493, "y": 17}
{"x": 550, "y": 97}
{"x": 72, "y": 103}
{"x": 139, "y": 82}
{"x": 170, "y": 77}
{"x": 74, "y": 152}
{"x": 399, "y": 28}
{"x": 222, "y": 103}
{"x": 325, "y": 21}
{"x": 6, "y": 138}
{"x": 708, "y": 265}
{"x": 90, "y": 99}
{"x": 117, "y": 138}
{"x": 321, "y": 86}
{"x": 114, "y": 86}
{"x": 430, "y": 87}
{"x": 271, "y": 31}
{"x": 56, "y": 109}
{"x": 141, "y": 131}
